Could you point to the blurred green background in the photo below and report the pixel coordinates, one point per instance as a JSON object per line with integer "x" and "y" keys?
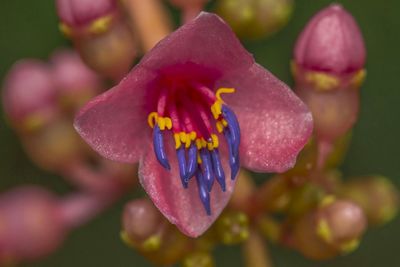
{"x": 29, "y": 29}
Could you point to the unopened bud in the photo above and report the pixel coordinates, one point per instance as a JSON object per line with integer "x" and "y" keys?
{"x": 141, "y": 220}
{"x": 328, "y": 67}
{"x": 30, "y": 96}
{"x": 376, "y": 195}
{"x": 76, "y": 83}
{"x": 31, "y": 226}
{"x": 100, "y": 33}
{"x": 55, "y": 146}
{"x": 340, "y": 223}
{"x": 331, "y": 42}
{"x": 255, "y": 18}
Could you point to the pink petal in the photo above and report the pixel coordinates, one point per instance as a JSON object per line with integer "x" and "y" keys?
{"x": 207, "y": 41}
{"x": 115, "y": 123}
{"x": 180, "y": 206}
{"x": 275, "y": 124}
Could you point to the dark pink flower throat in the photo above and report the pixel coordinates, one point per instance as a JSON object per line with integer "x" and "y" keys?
{"x": 196, "y": 115}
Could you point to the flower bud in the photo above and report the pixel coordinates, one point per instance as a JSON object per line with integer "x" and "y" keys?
{"x": 80, "y": 14}
{"x": 331, "y": 42}
{"x": 30, "y": 225}
{"x": 333, "y": 228}
{"x": 328, "y": 67}
{"x": 75, "y": 82}
{"x": 232, "y": 228}
{"x": 198, "y": 259}
{"x": 255, "y": 18}
{"x": 135, "y": 213}
{"x": 29, "y": 95}
{"x": 100, "y": 34}
{"x": 376, "y": 195}
{"x": 340, "y": 223}
{"x": 55, "y": 146}
{"x": 144, "y": 228}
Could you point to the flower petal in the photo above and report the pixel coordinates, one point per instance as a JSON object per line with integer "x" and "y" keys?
{"x": 275, "y": 124}
{"x": 115, "y": 123}
{"x": 207, "y": 41}
{"x": 181, "y": 206}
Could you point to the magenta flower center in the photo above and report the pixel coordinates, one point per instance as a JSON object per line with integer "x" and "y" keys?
{"x": 197, "y": 116}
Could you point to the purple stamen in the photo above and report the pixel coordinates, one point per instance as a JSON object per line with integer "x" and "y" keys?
{"x": 203, "y": 192}
{"x": 233, "y": 159}
{"x": 192, "y": 161}
{"x": 180, "y": 153}
{"x": 218, "y": 170}
{"x": 158, "y": 144}
{"x": 233, "y": 126}
{"x": 207, "y": 168}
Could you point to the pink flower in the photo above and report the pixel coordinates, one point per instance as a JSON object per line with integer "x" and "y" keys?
{"x": 175, "y": 94}
{"x": 331, "y": 42}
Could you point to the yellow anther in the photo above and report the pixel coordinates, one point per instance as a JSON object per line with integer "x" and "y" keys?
{"x": 188, "y": 143}
{"x": 224, "y": 122}
{"x": 65, "y": 29}
{"x": 100, "y": 25}
{"x": 152, "y": 119}
{"x": 224, "y": 91}
{"x": 210, "y": 146}
{"x": 161, "y": 123}
{"x": 203, "y": 143}
{"x": 199, "y": 159}
{"x": 182, "y": 136}
{"x": 177, "y": 141}
{"x": 220, "y": 127}
{"x": 192, "y": 136}
{"x": 216, "y": 108}
{"x": 168, "y": 123}
{"x": 198, "y": 143}
{"x": 215, "y": 140}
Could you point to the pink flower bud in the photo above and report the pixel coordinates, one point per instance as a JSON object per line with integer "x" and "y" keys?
{"x": 75, "y": 81}
{"x": 83, "y": 12}
{"x": 135, "y": 214}
{"x": 29, "y": 95}
{"x": 331, "y": 42}
{"x": 30, "y": 225}
{"x": 340, "y": 223}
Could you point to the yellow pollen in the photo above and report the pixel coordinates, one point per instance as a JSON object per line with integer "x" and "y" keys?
{"x": 152, "y": 119}
{"x": 224, "y": 122}
{"x": 324, "y": 231}
{"x": 199, "y": 159}
{"x": 182, "y": 135}
{"x": 224, "y": 91}
{"x": 210, "y": 146}
{"x": 192, "y": 136}
{"x": 216, "y": 108}
{"x": 188, "y": 143}
{"x": 100, "y": 25}
{"x": 168, "y": 123}
{"x": 198, "y": 143}
{"x": 220, "y": 127}
{"x": 203, "y": 143}
{"x": 215, "y": 140}
{"x": 177, "y": 140}
{"x": 161, "y": 123}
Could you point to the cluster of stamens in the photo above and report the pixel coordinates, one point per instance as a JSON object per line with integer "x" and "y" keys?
{"x": 189, "y": 112}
